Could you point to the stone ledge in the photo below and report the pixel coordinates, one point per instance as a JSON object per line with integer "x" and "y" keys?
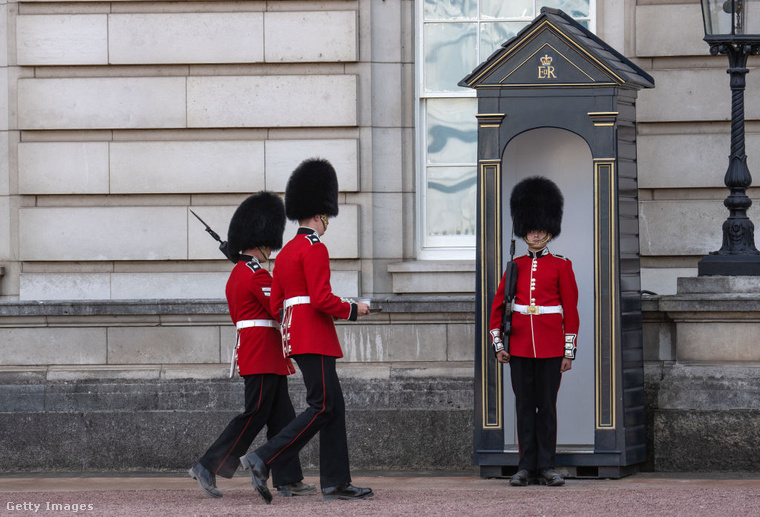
{"x": 719, "y": 284}
{"x": 432, "y": 266}
{"x": 430, "y": 303}
{"x": 420, "y": 276}
{"x": 16, "y": 375}
{"x": 650, "y": 302}
{"x": 111, "y": 307}
{"x": 205, "y": 307}
{"x": 705, "y": 323}
{"x": 710, "y": 387}
{"x": 704, "y": 303}
{"x": 708, "y": 294}
{"x": 718, "y": 306}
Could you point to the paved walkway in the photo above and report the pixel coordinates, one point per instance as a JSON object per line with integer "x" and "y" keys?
{"x": 396, "y": 494}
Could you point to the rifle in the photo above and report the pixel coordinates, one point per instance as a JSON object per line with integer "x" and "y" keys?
{"x": 223, "y": 245}
{"x": 510, "y": 288}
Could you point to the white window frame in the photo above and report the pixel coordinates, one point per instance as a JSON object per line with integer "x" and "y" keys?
{"x": 448, "y": 247}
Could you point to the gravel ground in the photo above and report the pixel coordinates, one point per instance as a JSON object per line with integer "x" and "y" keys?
{"x": 396, "y": 495}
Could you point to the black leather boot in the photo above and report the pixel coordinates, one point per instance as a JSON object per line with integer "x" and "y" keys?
{"x": 206, "y": 480}
{"x": 345, "y": 492}
{"x": 297, "y": 488}
{"x": 259, "y": 475}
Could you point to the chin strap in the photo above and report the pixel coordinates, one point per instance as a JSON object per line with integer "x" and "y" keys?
{"x": 539, "y": 243}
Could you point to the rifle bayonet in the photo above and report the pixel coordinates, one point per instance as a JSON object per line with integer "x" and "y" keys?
{"x": 222, "y": 244}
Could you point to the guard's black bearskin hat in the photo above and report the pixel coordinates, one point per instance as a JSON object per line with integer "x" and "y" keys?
{"x": 536, "y": 204}
{"x": 312, "y": 190}
{"x": 258, "y": 221}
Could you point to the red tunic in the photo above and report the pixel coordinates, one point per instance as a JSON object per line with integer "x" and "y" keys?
{"x": 260, "y": 349}
{"x": 553, "y": 282}
{"x": 302, "y": 268}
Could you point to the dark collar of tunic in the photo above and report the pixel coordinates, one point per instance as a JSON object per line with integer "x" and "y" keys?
{"x": 538, "y": 254}
{"x": 305, "y": 230}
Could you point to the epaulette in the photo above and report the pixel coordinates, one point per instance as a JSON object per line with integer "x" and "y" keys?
{"x": 313, "y": 238}
{"x": 560, "y": 256}
{"x": 253, "y": 265}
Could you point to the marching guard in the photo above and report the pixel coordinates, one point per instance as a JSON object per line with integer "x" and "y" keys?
{"x": 255, "y": 230}
{"x": 301, "y": 288}
{"x": 544, "y": 327}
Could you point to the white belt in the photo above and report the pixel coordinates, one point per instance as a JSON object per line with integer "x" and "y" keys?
{"x": 296, "y": 300}
{"x": 244, "y": 324}
{"x": 535, "y": 309}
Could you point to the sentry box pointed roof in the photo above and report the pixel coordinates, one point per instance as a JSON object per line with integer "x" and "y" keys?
{"x": 555, "y": 51}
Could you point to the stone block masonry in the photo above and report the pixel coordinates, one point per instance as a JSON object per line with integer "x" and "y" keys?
{"x": 397, "y": 422}
{"x": 142, "y": 385}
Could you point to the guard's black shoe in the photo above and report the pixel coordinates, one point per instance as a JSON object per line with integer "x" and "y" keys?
{"x": 551, "y": 477}
{"x": 206, "y": 480}
{"x": 297, "y": 488}
{"x": 259, "y": 475}
{"x": 521, "y": 478}
{"x": 347, "y": 491}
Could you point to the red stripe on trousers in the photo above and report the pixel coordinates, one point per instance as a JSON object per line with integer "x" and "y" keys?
{"x": 324, "y": 404}
{"x": 258, "y": 407}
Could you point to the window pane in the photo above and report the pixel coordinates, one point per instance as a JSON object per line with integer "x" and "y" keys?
{"x": 451, "y": 200}
{"x": 450, "y": 9}
{"x": 452, "y": 131}
{"x": 450, "y": 55}
{"x": 493, "y": 34}
{"x": 575, "y": 8}
{"x": 456, "y": 36}
{"x": 507, "y": 9}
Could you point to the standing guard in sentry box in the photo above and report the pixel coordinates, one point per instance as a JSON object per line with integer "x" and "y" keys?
{"x": 255, "y": 231}
{"x": 541, "y": 344}
{"x": 301, "y": 288}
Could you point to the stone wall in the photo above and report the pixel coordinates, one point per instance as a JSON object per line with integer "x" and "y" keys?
{"x": 399, "y": 417}
{"x": 683, "y": 140}
{"x": 703, "y": 376}
{"x": 105, "y": 134}
{"x": 142, "y": 385}
{"x": 119, "y": 117}
{"x": 97, "y": 124}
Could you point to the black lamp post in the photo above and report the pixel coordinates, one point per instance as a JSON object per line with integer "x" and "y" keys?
{"x": 732, "y": 27}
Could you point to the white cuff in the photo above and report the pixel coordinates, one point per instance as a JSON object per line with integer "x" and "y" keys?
{"x": 570, "y": 348}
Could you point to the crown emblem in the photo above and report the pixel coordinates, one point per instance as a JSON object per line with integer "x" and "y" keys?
{"x": 546, "y": 60}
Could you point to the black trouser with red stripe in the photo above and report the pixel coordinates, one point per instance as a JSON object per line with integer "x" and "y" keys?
{"x": 536, "y": 383}
{"x": 267, "y": 402}
{"x": 326, "y": 413}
